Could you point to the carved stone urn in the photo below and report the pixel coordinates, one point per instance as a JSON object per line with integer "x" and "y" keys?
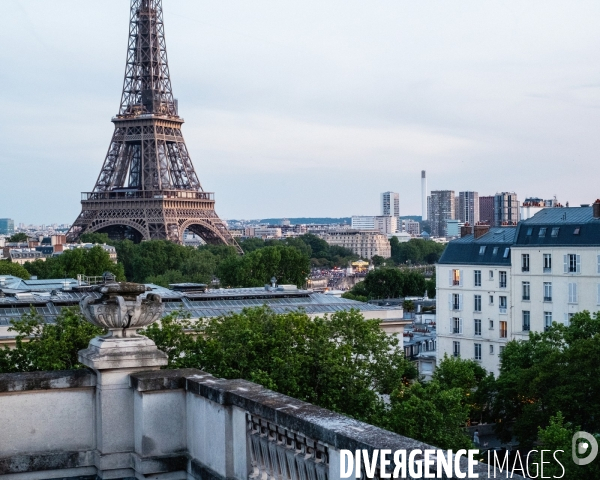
{"x": 122, "y": 308}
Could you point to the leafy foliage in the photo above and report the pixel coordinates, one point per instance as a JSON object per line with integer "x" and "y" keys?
{"x": 95, "y": 237}
{"x": 390, "y": 283}
{"x": 287, "y": 264}
{"x": 416, "y": 251}
{"x": 18, "y": 238}
{"x": 554, "y": 371}
{"x": 41, "y": 346}
{"x": 14, "y": 269}
{"x": 92, "y": 262}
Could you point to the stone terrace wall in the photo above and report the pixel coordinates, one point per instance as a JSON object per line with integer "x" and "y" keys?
{"x": 187, "y": 425}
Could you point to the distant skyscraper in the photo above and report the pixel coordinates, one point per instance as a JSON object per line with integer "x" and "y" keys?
{"x": 441, "y": 209}
{"x": 486, "y": 210}
{"x": 7, "y": 226}
{"x": 468, "y": 207}
{"x": 390, "y": 204}
{"x": 424, "y": 206}
{"x": 506, "y": 209}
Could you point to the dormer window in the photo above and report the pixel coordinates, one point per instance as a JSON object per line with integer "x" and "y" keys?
{"x": 495, "y": 252}
{"x": 529, "y": 231}
{"x": 555, "y": 231}
{"x": 482, "y": 250}
{"x": 577, "y": 230}
{"x": 542, "y": 232}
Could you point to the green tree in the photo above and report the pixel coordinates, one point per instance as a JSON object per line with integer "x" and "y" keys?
{"x": 378, "y": 260}
{"x": 47, "y": 346}
{"x": 79, "y": 261}
{"x": 287, "y": 264}
{"x": 18, "y": 238}
{"x": 390, "y": 283}
{"x": 14, "y": 269}
{"x": 416, "y": 251}
{"x": 100, "y": 238}
{"x": 556, "y": 436}
{"x": 553, "y": 371}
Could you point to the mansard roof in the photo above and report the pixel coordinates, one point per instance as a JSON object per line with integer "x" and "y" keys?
{"x": 493, "y": 248}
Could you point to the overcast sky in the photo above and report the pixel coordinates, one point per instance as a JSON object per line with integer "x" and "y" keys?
{"x": 312, "y": 108}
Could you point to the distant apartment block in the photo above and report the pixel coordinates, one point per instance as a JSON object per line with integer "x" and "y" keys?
{"x": 411, "y": 227}
{"x": 468, "y": 207}
{"x": 441, "y": 209}
{"x": 365, "y": 244}
{"x": 385, "y": 224}
{"x": 506, "y": 209}
{"x": 486, "y": 210}
{"x": 7, "y": 226}
{"x": 390, "y": 204}
{"x": 533, "y": 205}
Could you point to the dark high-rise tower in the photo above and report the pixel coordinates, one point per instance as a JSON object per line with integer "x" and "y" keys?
{"x": 147, "y": 188}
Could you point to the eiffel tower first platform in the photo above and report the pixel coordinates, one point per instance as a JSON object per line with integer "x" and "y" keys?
{"x": 147, "y": 188}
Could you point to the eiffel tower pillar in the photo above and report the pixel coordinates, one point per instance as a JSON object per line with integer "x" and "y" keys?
{"x": 147, "y": 188}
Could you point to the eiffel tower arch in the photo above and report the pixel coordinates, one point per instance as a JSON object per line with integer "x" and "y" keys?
{"x": 147, "y": 188}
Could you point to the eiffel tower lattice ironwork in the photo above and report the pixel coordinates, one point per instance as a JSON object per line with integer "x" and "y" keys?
{"x": 148, "y": 188}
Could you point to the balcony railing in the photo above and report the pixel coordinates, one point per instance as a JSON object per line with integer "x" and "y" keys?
{"x": 547, "y": 299}
{"x": 502, "y": 309}
{"x": 147, "y": 195}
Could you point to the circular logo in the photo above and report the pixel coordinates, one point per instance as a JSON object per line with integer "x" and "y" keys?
{"x": 588, "y": 447}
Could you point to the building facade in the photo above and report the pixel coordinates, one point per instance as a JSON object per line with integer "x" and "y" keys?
{"x": 506, "y": 209}
{"x": 385, "y": 224}
{"x": 468, "y": 207}
{"x": 390, "y": 204}
{"x": 514, "y": 280}
{"x": 366, "y": 244}
{"x": 474, "y": 297}
{"x": 486, "y": 210}
{"x": 7, "y": 226}
{"x": 441, "y": 209}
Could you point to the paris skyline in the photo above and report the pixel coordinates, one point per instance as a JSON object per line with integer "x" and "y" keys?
{"x": 312, "y": 109}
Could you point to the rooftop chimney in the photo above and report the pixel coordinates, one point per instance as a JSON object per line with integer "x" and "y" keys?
{"x": 480, "y": 231}
{"x": 596, "y": 209}
{"x": 466, "y": 230}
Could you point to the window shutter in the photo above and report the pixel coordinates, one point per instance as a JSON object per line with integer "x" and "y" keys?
{"x": 566, "y": 260}
{"x": 460, "y": 301}
{"x": 450, "y": 301}
{"x": 460, "y": 325}
{"x": 570, "y": 293}
{"x": 460, "y": 283}
{"x": 450, "y": 277}
{"x": 598, "y": 263}
{"x": 566, "y": 321}
{"x": 578, "y": 263}
{"x": 575, "y": 300}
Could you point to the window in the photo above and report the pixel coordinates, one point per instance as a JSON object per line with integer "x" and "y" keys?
{"x": 503, "y": 329}
{"x": 456, "y": 349}
{"x": 502, "y": 304}
{"x": 491, "y": 324}
{"x": 548, "y": 263}
{"x": 525, "y": 262}
{"x": 572, "y": 293}
{"x": 529, "y": 231}
{"x": 478, "y": 275}
{"x": 502, "y": 279}
{"x": 457, "y": 325}
{"x": 455, "y": 278}
{"x": 482, "y": 250}
{"x": 547, "y": 291}
{"x": 526, "y": 290}
{"x": 491, "y": 299}
{"x": 478, "y": 351}
{"x": 572, "y": 263}
{"x": 577, "y": 230}
{"x": 526, "y": 320}
{"x": 455, "y": 300}
{"x": 547, "y": 320}
{"x": 477, "y": 326}
{"x": 477, "y": 301}
{"x": 555, "y": 231}
{"x": 495, "y": 251}
{"x": 491, "y": 349}
{"x": 506, "y": 252}
{"x": 542, "y": 232}
{"x": 568, "y": 317}
{"x": 491, "y": 274}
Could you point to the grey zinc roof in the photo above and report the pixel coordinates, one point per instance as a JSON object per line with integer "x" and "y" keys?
{"x": 468, "y": 250}
{"x": 576, "y": 226}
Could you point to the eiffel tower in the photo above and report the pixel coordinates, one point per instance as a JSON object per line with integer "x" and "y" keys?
{"x": 148, "y": 188}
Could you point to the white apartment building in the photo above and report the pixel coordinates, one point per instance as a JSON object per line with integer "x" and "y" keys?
{"x": 513, "y": 280}
{"x": 474, "y": 297}
{"x": 385, "y": 224}
{"x": 390, "y": 204}
{"x": 363, "y": 243}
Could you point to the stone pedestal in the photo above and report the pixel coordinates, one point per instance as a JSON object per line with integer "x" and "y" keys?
{"x": 114, "y": 357}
